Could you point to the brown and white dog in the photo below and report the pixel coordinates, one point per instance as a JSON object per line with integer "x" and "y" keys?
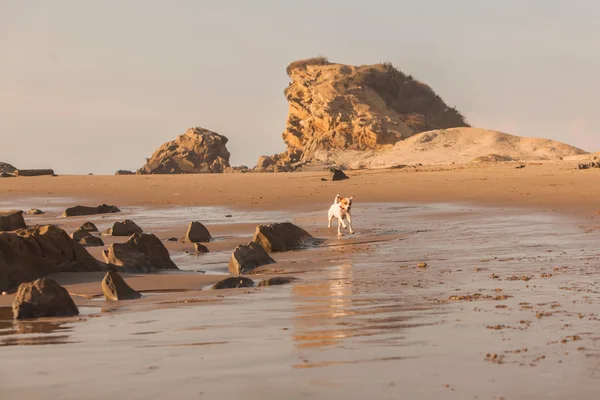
{"x": 340, "y": 209}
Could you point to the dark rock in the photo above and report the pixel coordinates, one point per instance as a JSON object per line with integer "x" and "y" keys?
{"x": 200, "y": 248}
{"x": 78, "y": 211}
{"x": 338, "y": 174}
{"x": 228, "y": 216}
{"x": 123, "y": 228}
{"x": 6, "y": 175}
{"x": 520, "y": 166}
{"x": 143, "y": 252}
{"x": 88, "y": 226}
{"x": 11, "y": 220}
{"x": 7, "y": 168}
{"x": 280, "y": 237}
{"x": 324, "y": 179}
{"x": 233, "y": 283}
{"x": 34, "y": 172}
{"x": 196, "y": 233}
{"x": 115, "y": 288}
{"x": 80, "y": 234}
{"x": 91, "y": 241}
{"x": 245, "y": 258}
{"x": 28, "y": 254}
{"x": 43, "y": 298}
{"x": 35, "y": 211}
{"x": 124, "y": 172}
{"x": 172, "y": 239}
{"x": 276, "y": 280}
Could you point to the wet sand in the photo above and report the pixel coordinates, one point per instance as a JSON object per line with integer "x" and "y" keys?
{"x": 507, "y": 306}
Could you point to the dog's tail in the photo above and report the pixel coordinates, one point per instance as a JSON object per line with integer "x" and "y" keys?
{"x": 337, "y": 199}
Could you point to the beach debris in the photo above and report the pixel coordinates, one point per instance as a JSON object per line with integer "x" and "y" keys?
{"x": 200, "y": 248}
{"x": 35, "y": 211}
{"x": 43, "y": 298}
{"x": 276, "y": 280}
{"x": 246, "y": 258}
{"x": 11, "y": 220}
{"x": 196, "y": 232}
{"x": 338, "y": 174}
{"x": 115, "y": 288}
{"x": 143, "y": 252}
{"x": 88, "y": 226}
{"x": 280, "y": 237}
{"x": 123, "y": 228}
{"x": 233, "y": 283}
{"x": 79, "y": 211}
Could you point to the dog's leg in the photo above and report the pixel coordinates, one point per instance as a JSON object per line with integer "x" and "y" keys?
{"x": 329, "y": 219}
{"x": 339, "y": 226}
{"x": 350, "y": 223}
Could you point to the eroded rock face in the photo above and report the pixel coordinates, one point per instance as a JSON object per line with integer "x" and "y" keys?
{"x": 43, "y": 298}
{"x": 198, "y": 150}
{"x": 123, "y": 228}
{"x": 335, "y": 107}
{"x": 233, "y": 283}
{"x": 115, "y": 288}
{"x": 196, "y": 233}
{"x": 28, "y": 254}
{"x": 11, "y": 220}
{"x": 246, "y": 258}
{"x": 280, "y": 237}
{"x": 78, "y": 211}
{"x": 143, "y": 252}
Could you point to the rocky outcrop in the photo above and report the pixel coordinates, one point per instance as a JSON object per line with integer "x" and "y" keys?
{"x": 198, "y": 150}
{"x": 335, "y": 107}
{"x": 246, "y": 258}
{"x": 28, "y": 254}
{"x": 7, "y": 168}
{"x": 143, "y": 252}
{"x": 196, "y": 233}
{"x": 34, "y": 172}
{"x": 276, "y": 280}
{"x": 280, "y": 237}
{"x": 79, "y": 211}
{"x": 43, "y": 298}
{"x": 115, "y": 288}
{"x": 233, "y": 283}
{"x": 123, "y": 228}
{"x": 11, "y": 220}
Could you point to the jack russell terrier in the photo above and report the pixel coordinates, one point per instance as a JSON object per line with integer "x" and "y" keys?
{"x": 340, "y": 209}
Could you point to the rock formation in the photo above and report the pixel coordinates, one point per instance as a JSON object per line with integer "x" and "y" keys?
{"x": 233, "y": 283}
{"x": 28, "y": 254}
{"x": 200, "y": 248}
{"x": 43, "y": 298}
{"x": 34, "y": 172}
{"x": 7, "y": 168}
{"x": 78, "y": 211}
{"x": 88, "y": 226}
{"x": 143, "y": 252}
{"x": 11, "y": 220}
{"x": 198, "y": 150}
{"x": 246, "y": 258}
{"x": 123, "y": 228}
{"x": 280, "y": 237}
{"x": 35, "y": 211}
{"x": 115, "y": 288}
{"x": 336, "y": 107}
{"x": 196, "y": 233}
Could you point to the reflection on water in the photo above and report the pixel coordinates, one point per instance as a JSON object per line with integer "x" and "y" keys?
{"x": 27, "y": 332}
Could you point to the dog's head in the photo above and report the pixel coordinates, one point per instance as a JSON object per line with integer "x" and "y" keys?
{"x": 345, "y": 203}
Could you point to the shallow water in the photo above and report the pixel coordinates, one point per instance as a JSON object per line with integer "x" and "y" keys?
{"x": 373, "y": 326}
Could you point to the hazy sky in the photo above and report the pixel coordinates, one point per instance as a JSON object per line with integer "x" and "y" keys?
{"x": 96, "y": 86}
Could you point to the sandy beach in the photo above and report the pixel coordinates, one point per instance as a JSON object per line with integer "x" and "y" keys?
{"x": 505, "y": 308}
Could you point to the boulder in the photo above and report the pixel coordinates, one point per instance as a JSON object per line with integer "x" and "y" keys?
{"x": 276, "y": 280}
{"x": 34, "y": 172}
{"x": 200, "y": 248}
{"x": 280, "y": 237}
{"x": 246, "y": 258}
{"x": 80, "y": 234}
{"x": 196, "y": 233}
{"x": 78, "y": 211}
{"x": 91, "y": 241}
{"x": 143, "y": 252}
{"x": 11, "y": 220}
{"x": 35, "y": 211}
{"x": 123, "y": 228}
{"x": 233, "y": 283}
{"x": 43, "y": 298}
{"x": 28, "y": 254}
{"x": 115, "y": 288}
{"x": 88, "y": 226}
{"x": 124, "y": 172}
{"x": 338, "y": 174}
{"x": 198, "y": 150}
{"x": 7, "y": 168}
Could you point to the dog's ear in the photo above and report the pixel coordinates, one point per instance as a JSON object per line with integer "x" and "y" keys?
{"x": 351, "y": 197}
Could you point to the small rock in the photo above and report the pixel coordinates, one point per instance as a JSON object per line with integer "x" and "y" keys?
{"x": 35, "y": 211}
{"x": 338, "y": 174}
{"x": 233, "y": 283}
{"x": 245, "y": 258}
{"x": 280, "y": 237}
{"x": 115, "y": 288}
{"x": 200, "y": 248}
{"x": 228, "y": 216}
{"x": 80, "y": 234}
{"x": 196, "y": 233}
{"x": 172, "y": 239}
{"x": 11, "y": 220}
{"x": 143, "y": 252}
{"x": 88, "y": 226}
{"x": 276, "y": 280}
{"x": 422, "y": 265}
{"x": 124, "y": 228}
{"x": 91, "y": 241}
{"x": 43, "y": 298}
{"x": 324, "y": 179}
{"x": 520, "y": 166}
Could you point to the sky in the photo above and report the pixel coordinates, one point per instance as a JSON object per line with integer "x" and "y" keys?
{"x": 97, "y": 86}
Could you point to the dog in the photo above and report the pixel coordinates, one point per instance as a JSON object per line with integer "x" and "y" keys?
{"x": 340, "y": 209}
